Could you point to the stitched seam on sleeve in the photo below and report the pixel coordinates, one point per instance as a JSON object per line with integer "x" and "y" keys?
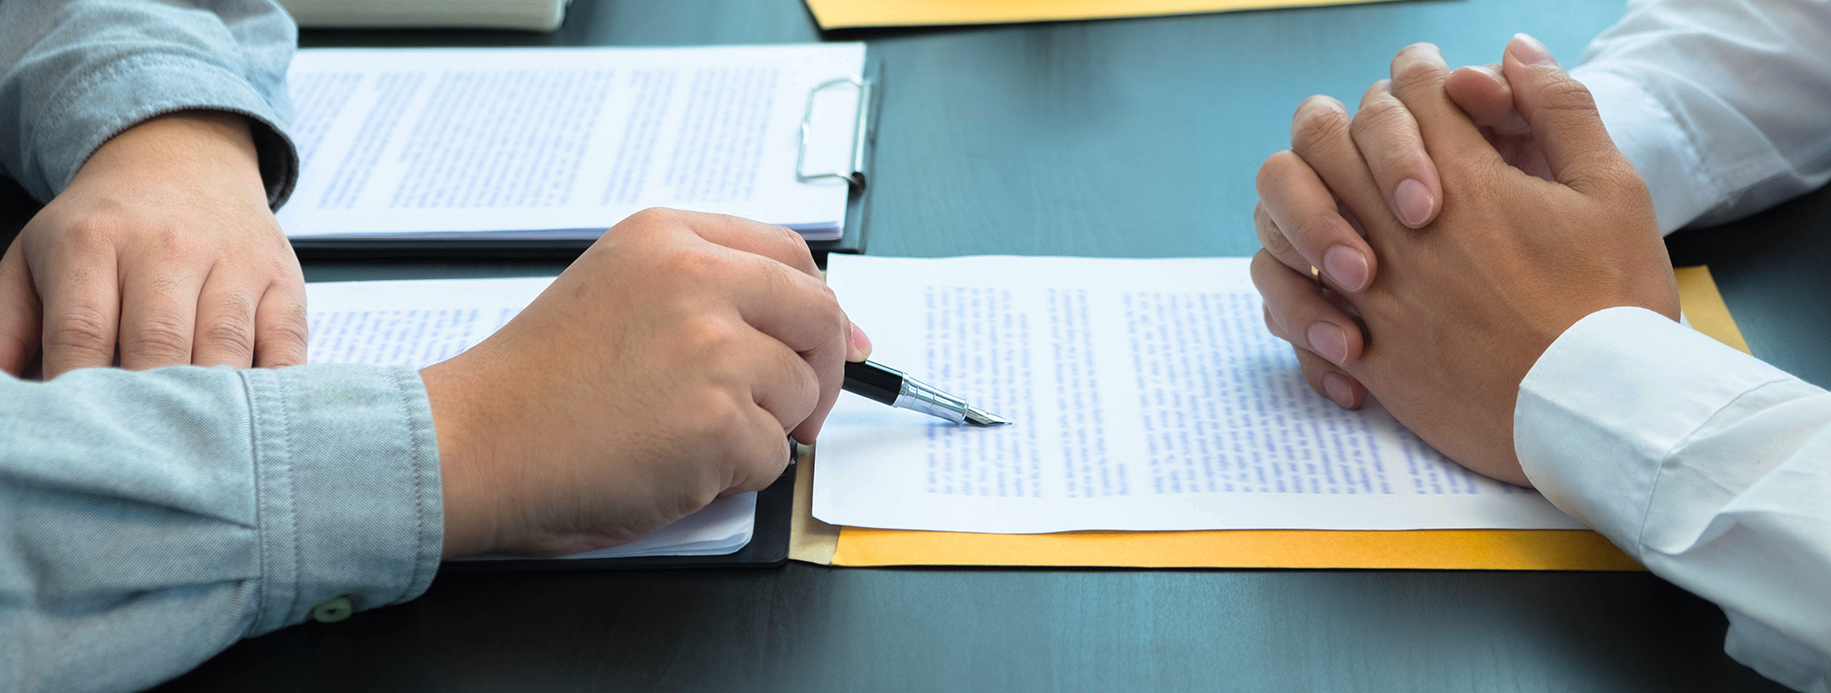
{"x": 1660, "y": 472}
{"x": 292, "y": 485}
{"x": 260, "y": 507}
{"x": 419, "y": 503}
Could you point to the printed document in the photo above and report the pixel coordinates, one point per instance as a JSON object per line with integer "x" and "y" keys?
{"x": 1146, "y": 395}
{"x": 565, "y": 142}
{"x": 422, "y": 322}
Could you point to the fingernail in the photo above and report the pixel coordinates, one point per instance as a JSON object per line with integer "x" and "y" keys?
{"x": 1414, "y": 202}
{"x": 1347, "y": 267}
{"x": 861, "y": 344}
{"x": 1528, "y": 50}
{"x": 1330, "y": 103}
{"x": 1329, "y": 342}
{"x": 1339, "y": 390}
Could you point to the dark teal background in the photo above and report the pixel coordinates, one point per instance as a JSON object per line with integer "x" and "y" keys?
{"x": 1117, "y": 138}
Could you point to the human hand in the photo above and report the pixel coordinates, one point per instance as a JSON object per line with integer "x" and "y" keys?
{"x": 1300, "y": 226}
{"x": 665, "y": 368}
{"x": 1465, "y": 307}
{"x": 163, "y": 247}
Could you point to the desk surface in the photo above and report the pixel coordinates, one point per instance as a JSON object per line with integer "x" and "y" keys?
{"x": 1119, "y": 138}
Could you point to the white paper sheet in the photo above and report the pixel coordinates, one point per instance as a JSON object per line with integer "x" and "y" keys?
{"x": 1147, "y": 395}
{"x": 564, "y": 142}
{"x": 421, "y": 322}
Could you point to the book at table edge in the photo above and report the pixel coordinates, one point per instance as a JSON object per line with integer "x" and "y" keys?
{"x": 813, "y": 541}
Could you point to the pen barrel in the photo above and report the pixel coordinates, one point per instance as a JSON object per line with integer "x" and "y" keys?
{"x": 875, "y": 382}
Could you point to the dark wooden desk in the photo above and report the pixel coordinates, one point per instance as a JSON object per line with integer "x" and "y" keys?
{"x": 1127, "y": 138}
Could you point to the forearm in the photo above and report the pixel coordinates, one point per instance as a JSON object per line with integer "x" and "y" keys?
{"x": 1710, "y": 467}
{"x": 1717, "y": 102}
{"x": 154, "y": 518}
{"x": 78, "y": 72}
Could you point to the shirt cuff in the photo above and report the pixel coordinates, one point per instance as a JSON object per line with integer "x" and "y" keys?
{"x": 1652, "y": 140}
{"x": 347, "y": 488}
{"x": 134, "y": 90}
{"x": 1603, "y": 407}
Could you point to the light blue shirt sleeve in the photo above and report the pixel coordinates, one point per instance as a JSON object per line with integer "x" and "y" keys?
{"x": 78, "y": 72}
{"x": 148, "y": 520}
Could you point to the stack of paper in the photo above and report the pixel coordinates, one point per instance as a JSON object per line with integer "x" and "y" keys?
{"x": 419, "y": 323}
{"x": 1147, "y": 395}
{"x": 561, "y": 143}
{"x": 534, "y": 15}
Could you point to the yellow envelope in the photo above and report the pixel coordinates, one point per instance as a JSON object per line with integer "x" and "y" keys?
{"x": 1469, "y": 549}
{"x": 844, "y": 14}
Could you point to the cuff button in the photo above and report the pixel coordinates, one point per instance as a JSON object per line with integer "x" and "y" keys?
{"x": 333, "y": 610}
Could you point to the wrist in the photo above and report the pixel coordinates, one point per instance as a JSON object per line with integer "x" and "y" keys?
{"x": 471, "y": 525}
{"x": 186, "y": 148}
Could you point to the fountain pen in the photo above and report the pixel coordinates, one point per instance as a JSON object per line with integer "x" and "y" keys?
{"x": 890, "y": 386}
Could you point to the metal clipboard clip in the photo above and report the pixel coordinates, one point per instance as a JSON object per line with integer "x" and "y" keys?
{"x": 854, "y": 177}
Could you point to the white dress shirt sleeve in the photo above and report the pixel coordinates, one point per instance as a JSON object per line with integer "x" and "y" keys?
{"x": 1709, "y": 466}
{"x": 1724, "y": 106}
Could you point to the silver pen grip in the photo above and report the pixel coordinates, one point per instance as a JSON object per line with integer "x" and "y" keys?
{"x": 918, "y": 396}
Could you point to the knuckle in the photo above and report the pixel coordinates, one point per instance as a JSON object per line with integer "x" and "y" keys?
{"x": 1276, "y": 169}
{"x": 169, "y": 241}
{"x": 1316, "y": 124}
{"x": 1271, "y": 323}
{"x": 290, "y": 327}
{"x": 793, "y": 246}
{"x": 80, "y": 328}
{"x": 1379, "y": 115}
{"x": 228, "y": 333}
{"x": 159, "y": 333}
{"x": 1273, "y": 240}
{"x": 93, "y": 232}
{"x": 710, "y": 338}
{"x": 1566, "y": 94}
{"x": 1412, "y": 73}
{"x": 652, "y": 216}
{"x": 1261, "y": 270}
{"x": 693, "y": 265}
{"x": 237, "y": 302}
{"x": 723, "y": 418}
{"x": 286, "y": 338}
{"x": 1318, "y": 229}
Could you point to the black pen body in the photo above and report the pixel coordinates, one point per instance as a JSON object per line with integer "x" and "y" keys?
{"x": 873, "y": 381}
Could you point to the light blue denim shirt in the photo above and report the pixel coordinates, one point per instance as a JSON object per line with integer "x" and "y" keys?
{"x": 149, "y": 520}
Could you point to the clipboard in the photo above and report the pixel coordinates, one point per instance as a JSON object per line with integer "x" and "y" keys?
{"x": 858, "y": 198}
{"x": 768, "y": 547}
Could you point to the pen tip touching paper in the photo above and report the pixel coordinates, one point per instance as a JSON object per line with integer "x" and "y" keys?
{"x": 976, "y": 417}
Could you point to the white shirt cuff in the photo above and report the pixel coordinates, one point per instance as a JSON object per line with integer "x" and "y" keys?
{"x": 1609, "y": 400}
{"x": 1651, "y": 139}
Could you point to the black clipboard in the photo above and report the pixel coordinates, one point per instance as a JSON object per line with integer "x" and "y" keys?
{"x": 858, "y": 201}
{"x": 768, "y": 547}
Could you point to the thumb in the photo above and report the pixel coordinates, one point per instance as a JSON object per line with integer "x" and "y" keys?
{"x": 1562, "y": 115}
{"x": 1481, "y": 92}
{"x": 858, "y": 346}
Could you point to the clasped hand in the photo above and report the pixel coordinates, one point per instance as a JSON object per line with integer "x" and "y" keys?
{"x": 1427, "y": 250}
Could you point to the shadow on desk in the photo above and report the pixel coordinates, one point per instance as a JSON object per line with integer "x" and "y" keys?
{"x": 1774, "y": 270}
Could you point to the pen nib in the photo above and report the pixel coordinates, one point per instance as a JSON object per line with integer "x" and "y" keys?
{"x": 976, "y": 417}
